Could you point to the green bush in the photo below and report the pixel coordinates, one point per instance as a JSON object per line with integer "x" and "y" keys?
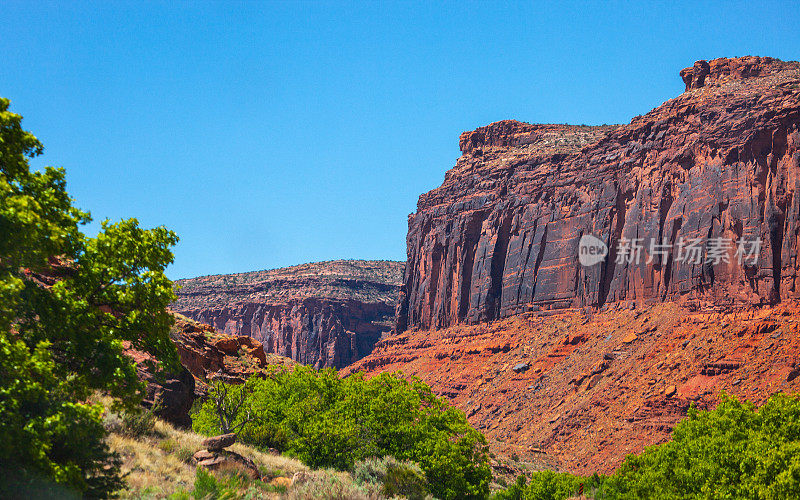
{"x": 733, "y": 451}
{"x": 184, "y": 454}
{"x": 395, "y": 478}
{"x": 405, "y": 479}
{"x": 371, "y": 470}
{"x": 329, "y": 485}
{"x": 326, "y": 421}
{"x": 544, "y": 485}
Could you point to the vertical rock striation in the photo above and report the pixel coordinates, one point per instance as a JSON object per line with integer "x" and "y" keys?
{"x": 326, "y": 314}
{"x": 721, "y": 161}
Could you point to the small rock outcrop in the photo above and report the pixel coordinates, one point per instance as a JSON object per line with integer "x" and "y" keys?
{"x": 216, "y": 456}
{"x": 208, "y": 354}
{"x": 170, "y": 395}
{"x": 218, "y": 443}
{"x": 327, "y": 314}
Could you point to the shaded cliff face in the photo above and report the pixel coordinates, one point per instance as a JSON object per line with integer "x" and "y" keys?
{"x": 326, "y": 314}
{"x": 720, "y": 162}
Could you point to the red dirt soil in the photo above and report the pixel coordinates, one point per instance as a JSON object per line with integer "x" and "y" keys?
{"x": 579, "y": 391}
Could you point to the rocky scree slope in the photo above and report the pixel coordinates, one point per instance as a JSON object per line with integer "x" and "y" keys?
{"x": 577, "y": 391}
{"x": 326, "y": 314}
{"x": 500, "y": 236}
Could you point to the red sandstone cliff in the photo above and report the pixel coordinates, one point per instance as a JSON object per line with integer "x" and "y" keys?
{"x": 500, "y": 236}
{"x": 326, "y": 314}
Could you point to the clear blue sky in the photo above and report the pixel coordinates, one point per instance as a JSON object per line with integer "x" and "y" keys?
{"x": 272, "y": 134}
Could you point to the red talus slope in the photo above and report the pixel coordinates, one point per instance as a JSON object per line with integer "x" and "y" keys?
{"x": 721, "y": 161}
{"x": 582, "y": 391}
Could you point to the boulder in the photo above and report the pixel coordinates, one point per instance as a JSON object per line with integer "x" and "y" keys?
{"x": 213, "y": 460}
{"x": 220, "y": 442}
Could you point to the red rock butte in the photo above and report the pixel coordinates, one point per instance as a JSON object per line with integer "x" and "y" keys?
{"x": 500, "y": 236}
{"x": 573, "y": 367}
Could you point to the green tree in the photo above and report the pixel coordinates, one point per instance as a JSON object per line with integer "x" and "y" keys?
{"x": 733, "y": 451}
{"x": 67, "y": 304}
{"x": 330, "y": 422}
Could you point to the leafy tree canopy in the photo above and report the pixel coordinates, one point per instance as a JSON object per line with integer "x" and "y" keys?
{"x": 733, "y": 451}
{"x": 67, "y": 304}
{"x": 330, "y": 422}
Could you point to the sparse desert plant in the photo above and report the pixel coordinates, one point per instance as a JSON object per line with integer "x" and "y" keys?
{"x": 184, "y": 454}
{"x": 137, "y": 422}
{"x": 393, "y": 477}
{"x": 405, "y": 479}
{"x": 329, "y": 485}
{"x": 167, "y": 445}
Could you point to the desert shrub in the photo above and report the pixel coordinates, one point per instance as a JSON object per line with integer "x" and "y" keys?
{"x": 207, "y": 486}
{"x": 371, "y": 470}
{"x": 184, "y": 454}
{"x": 328, "y": 485}
{"x": 326, "y": 421}
{"x": 393, "y": 477}
{"x": 544, "y": 485}
{"x": 404, "y": 479}
{"x": 168, "y": 445}
{"x": 733, "y": 451}
{"x": 137, "y": 423}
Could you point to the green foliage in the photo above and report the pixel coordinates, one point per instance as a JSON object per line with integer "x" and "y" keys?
{"x": 331, "y": 422}
{"x": 67, "y": 303}
{"x": 184, "y": 454}
{"x": 544, "y": 485}
{"x": 734, "y": 451}
{"x": 394, "y": 477}
{"x": 226, "y": 485}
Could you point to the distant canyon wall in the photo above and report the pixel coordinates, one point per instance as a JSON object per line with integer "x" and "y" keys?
{"x": 326, "y": 314}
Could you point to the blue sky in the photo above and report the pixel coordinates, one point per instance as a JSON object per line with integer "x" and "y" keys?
{"x": 271, "y": 134}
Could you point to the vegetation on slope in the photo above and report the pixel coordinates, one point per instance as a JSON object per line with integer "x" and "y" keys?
{"x": 327, "y": 421}
{"x": 733, "y": 451}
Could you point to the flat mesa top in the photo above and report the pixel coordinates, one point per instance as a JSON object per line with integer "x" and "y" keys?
{"x": 362, "y": 280}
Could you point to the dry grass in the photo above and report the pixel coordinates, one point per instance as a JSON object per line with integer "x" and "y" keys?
{"x": 160, "y": 464}
{"x": 150, "y": 471}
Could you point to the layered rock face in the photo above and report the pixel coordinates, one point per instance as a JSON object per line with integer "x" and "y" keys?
{"x": 719, "y": 164}
{"x": 326, "y": 314}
